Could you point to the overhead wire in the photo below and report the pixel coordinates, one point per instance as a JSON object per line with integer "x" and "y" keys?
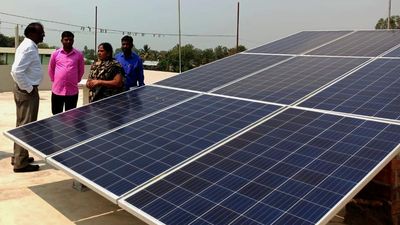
{"x": 90, "y": 29}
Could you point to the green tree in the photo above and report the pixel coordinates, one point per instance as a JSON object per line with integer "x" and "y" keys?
{"x": 145, "y": 52}
{"x": 192, "y": 57}
{"x": 6, "y": 41}
{"x": 89, "y": 55}
{"x": 221, "y": 52}
{"x": 163, "y": 63}
{"x": 172, "y": 58}
{"x": 241, "y": 48}
{"x": 189, "y": 55}
{"x": 43, "y": 45}
{"x": 233, "y": 51}
{"x": 208, "y": 56}
{"x": 394, "y": 23}
{"x": 154, "y": 55}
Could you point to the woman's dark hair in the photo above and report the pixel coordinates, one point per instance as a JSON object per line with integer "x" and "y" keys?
{"x": 108, "y": 48}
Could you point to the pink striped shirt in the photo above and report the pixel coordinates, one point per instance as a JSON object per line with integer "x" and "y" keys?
{"x": 66, "y": 71}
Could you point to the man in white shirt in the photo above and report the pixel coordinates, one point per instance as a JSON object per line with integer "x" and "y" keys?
{"x": 27, "y": 74}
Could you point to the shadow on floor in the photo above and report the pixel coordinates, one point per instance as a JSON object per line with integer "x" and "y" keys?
{"x": 83, "y": 208}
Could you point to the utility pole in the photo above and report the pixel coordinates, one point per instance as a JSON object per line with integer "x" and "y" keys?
{"x": 95, "y": 31}
{"x": 16, "y": 38}
{"x": 179, "y": 45}
{"x": 237, "y": 28}
{"x": 388, "y": 22}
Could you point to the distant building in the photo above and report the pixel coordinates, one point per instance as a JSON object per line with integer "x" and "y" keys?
{"x": 7, "y": 55}
{"x": 150, "y": 65}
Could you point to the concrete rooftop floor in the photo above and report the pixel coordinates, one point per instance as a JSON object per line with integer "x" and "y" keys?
{"x": 46, "y": 197}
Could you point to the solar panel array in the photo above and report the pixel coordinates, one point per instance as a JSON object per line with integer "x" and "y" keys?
{"x": 122, "y": 160}
{"x": 286, "y": 133}
{"x": 222, "y": 72}
{"x": 292, "y": 80}
{"x": 361, "y": 43}
{"x": 288, "y": 170}
{"x": 64, "y": 130}
{"x": 300, "y": 42}
{"x": 372, "y": 91}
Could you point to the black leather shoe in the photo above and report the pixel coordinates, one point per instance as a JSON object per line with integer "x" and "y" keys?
{"x": 28, "y": 168}
{"x": 30, "y": 160}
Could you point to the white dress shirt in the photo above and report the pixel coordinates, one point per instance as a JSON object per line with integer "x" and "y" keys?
{"x": 27, "y": 69}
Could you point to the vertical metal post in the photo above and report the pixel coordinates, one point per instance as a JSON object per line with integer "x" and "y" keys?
{"x": 388, "y": 22}
{"x": 237, "y": 29}
{"x": 16, "y": 38}
{"x": 95, "y": 30}
{"x": 179, "y": 45}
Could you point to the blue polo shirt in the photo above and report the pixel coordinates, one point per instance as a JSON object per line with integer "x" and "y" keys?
{"x": 133, "y": 67}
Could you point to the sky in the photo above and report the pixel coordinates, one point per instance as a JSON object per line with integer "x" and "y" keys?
{"x": 261, "y": 21}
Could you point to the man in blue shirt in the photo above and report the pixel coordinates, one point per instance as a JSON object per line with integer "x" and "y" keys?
{"x": 131, "y": 62}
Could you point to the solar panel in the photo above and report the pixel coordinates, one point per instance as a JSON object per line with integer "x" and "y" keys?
{"x": 50, "y": 135}
{"x": 295, "y": 168}
{"x": 218, "y": 73}
{"x": 126, "y": 158}
{"x": 292, "y": 80}
{"x": 300, "y": 42}
{"x": 393, "y": 53}
{"x": 361, "y": 43}
{"x": 374, "y": 90}
{"x": 223, "y": 157}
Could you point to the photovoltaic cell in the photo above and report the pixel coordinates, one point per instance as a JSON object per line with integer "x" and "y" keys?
{"x": 361, "y": 43}
{"x": 292, "y": 169}
{"x": 374, "y": 90}
{"x": 64, "y": 130}
{"x": 131, "y": 156}
{"x": 300, "y": 42}
{"x": 394, "y": 53}
{"x": 218, "y": 73}
{"x": 291, "y": 80}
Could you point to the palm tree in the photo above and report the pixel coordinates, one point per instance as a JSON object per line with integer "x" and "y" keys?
{"x": 145, "y": 52}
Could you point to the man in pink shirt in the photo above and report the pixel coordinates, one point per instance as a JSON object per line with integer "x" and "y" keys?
{"x": 66, "y": 68}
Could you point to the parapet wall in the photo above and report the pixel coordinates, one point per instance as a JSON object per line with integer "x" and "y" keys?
{"x": 6, "y": 83}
